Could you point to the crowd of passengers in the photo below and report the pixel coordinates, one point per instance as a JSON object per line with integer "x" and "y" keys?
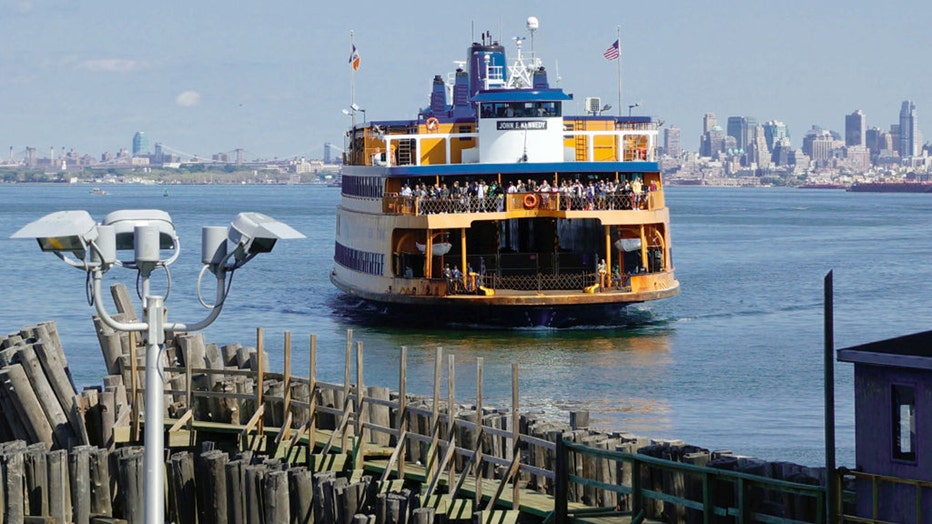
{"x": 479, "y": 196}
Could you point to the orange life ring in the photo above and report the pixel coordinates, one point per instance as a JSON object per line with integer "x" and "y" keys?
{"x": 433, "y": 125}
{"x": 530, "y": 201}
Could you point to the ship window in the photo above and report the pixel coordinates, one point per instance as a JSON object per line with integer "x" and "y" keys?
{"x": 904, "y": 423}
{"x": 464, "y": 129}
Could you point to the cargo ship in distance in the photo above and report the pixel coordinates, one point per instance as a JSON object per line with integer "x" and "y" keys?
{"x": 496, "y": 206}
{"x": 891, "y": 187}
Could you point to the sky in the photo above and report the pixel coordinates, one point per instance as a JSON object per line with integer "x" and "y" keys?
{"x": 272, "y": 78}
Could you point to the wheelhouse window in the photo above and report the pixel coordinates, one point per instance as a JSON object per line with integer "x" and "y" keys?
{"x": 521, "y": 109}
{"x": 904, "y": 423}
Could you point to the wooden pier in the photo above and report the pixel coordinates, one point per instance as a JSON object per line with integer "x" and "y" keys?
{"x": 245, "y": 444}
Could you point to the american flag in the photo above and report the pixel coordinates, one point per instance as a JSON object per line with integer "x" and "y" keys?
{"x": 613, "y": 51}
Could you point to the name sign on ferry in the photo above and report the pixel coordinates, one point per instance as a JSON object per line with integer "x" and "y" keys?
{"x": 529, "y": 125}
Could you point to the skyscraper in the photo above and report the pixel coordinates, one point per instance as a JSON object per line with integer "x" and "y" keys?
{"x": 712, "y": 142}
{"x": 140, "y": 144}
{"x": 743, "y": 128}
{"x": 708, "y": 122}
{"x": 737, "y": 128}
{"x": 856, "y": 129}
{"x": 872, "y": 140}
{"x": 671, "y": 141}
{"x": 774, "y": 131}
{"x": 909, "y": 130}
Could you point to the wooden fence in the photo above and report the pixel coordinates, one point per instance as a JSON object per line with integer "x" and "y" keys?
{"x": 268, "y": 433}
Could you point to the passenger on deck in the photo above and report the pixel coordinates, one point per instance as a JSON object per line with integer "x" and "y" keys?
{"x": 457, "y": 278}
{"x": 616, "y": 275}
{"x": 636, "y": 189}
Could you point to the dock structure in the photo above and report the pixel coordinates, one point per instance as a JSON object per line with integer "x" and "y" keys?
{"x": 247, "y": 444}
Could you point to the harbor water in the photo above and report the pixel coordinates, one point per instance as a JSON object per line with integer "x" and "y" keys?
{"x": 734, "y": 362}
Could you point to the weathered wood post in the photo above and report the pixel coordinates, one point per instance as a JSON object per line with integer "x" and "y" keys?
{"x": 236, "y": 501}
{"x": 301, "y": 495}
{"x": 278, "y": 507}
{"x": 37, "y": 479}
{"x": 80, "y": 470}
{"x": 100, "y": 482}
{"x": 12, "y": 457}
{"x": 183, "y": 495}
{"x": 210, "y": 479}
{"x": 59, "y": 486}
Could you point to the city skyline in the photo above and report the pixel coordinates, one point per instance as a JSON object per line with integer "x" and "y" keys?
{"x": 272, "y": 79}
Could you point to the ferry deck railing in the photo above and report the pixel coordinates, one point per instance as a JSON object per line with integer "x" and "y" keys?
{"x": 543, "y": 202}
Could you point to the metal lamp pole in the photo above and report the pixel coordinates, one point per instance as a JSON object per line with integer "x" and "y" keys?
{"x": 147, "y": 259}
{"x": 80, "y": 242}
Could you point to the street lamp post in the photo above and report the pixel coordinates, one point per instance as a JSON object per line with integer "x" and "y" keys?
{"x": 75, "y": 238}
{"x": 632, "y": 106}
{"x": 352, "y": 113}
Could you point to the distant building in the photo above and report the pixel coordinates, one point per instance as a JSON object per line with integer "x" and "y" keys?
{"x": 856, "y": 129}
{"x": 758, "y": 153}
{"x": 140, "y": 144}
{"x": 872, "y": 140}
{"x": 712, "y": 142}
{"x": 743, "y": 129}
{"x": 821, "y": 149}
{"x": 774, "y": 131}
{"x": 671, "y": 141}
{"x": 708, "y": 122}
{"x": 895, "y": 136}
{"x": 910, "y": 139}
{"x": 857, "y": 158}
{"x": 798, "y": 159}
{"x": 780, "y": 155}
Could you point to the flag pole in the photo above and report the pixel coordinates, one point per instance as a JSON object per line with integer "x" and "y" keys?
{"x": 618, "y": 31}
{"x": 352, "y": 82}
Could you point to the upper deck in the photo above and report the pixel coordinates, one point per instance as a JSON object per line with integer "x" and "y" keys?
{"x": 429, "y": 142}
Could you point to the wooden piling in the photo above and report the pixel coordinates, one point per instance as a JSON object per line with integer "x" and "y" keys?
{"x": 278, "y": 507}
{"x": 37, "y": 479}
{"x": 301, "y": 494}
{"x": 210, "y": 479}
{"x": 12, "y": 460}
{"x": 182, "y": 494}
{"x": 59, "y": 485}
{"x": 100, "y": 482}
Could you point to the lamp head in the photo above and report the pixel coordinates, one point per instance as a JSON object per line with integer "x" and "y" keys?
{"x": 62, "y": 232}
{"x": 125, "y": 223}
{"x": 255, "y": 233}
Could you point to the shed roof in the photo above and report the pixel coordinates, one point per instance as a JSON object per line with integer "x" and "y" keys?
{"x": 909, "y": 351}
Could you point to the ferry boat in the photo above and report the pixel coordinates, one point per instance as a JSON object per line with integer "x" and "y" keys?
{"x": 497, "y": 206}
